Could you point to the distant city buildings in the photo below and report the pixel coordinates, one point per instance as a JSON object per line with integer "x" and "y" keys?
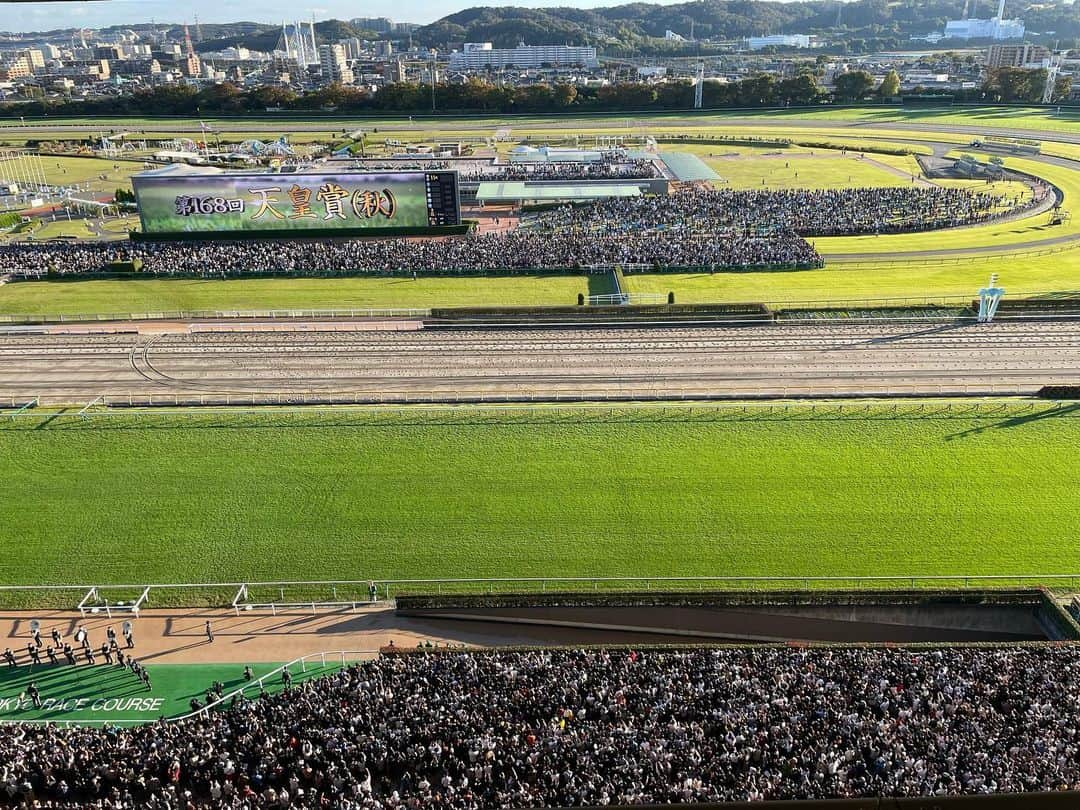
{"x": 480, "y": 55}
{"x": 85, "y": 64}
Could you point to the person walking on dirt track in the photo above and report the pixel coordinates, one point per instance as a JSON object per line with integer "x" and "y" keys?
{"x": 209, "y": 633}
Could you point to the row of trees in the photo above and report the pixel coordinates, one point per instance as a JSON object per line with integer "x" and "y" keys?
{"x": 477, "y": 95}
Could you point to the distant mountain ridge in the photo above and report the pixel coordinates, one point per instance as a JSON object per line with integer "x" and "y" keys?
{"x": 632, "y": 26}
{"x": 640, "y": 27}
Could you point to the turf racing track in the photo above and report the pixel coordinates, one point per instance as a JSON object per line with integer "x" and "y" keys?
{"x": 522, "y": 363}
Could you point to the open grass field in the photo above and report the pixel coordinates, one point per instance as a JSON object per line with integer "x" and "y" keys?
{"x": 155, "y": 295}
{"x": 110, "y": 694}
{"x": 97, "y": 176}
{"x": 1014, "y": 117}
{"x": 878, "y": 490}
{"x": 61, "y": 227}
{"x": 1023, "y": 274}
{"x": 803, "y": 170}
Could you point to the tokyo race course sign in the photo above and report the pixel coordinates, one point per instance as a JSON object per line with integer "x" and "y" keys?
{"x": 185, "y": 203}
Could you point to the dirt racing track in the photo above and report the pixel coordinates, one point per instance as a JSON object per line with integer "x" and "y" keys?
{"x": 520, "y": 363}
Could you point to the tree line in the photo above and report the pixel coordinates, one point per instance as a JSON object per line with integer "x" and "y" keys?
{"x": 478, "y": 95}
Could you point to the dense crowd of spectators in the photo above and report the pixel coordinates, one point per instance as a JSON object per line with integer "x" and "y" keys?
{"x": 515, "y": 250}
{"x": 692, "y": 229}
{"x": 822, "y": 212}
{"x": 538, "y": 170}
{"x": 591, "y": 727}
{"x": 613, "y": 168}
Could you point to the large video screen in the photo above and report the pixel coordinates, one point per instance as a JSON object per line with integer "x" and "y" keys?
{"x": 296, "y": 202}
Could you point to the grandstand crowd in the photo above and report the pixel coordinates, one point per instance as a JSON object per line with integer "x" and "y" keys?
{"x": 550, "y": 728}
{"x": 515, "y": 250}
{"x": 612, "y": 167}
{"x": 807, "y": 212}
{"x": 700, "y": 229}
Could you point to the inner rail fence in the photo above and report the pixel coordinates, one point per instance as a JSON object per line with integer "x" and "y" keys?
{"x": 632, "y": 295}
{"x": 840, "y": 261}
{"x": 294, "y": 596}
{"x": 966, "y": 407}
{"x": 659, "y": 392}
{"x": 213, "y": 314}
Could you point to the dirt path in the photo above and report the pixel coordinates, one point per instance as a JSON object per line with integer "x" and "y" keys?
{"x": 178, "y": 636}
{"x": 259, "y": 636}
{"x": 896, "y": 172}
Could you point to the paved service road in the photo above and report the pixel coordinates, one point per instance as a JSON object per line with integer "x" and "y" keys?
{"x": 567, "y": 362}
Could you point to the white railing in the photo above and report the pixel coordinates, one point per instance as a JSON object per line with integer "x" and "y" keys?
{"x": 785, "y": 386}
{"x": 962, "y": 405}
{"x": 258, "y": 682}
{"x": 328, "y": 590}
{"x": 201, "y": 314}
{"x": 338, "y": 657}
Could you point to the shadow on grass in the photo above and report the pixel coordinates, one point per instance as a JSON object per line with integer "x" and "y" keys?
{"x": 48, "y": 420}
{"x": 1018, "y": 421}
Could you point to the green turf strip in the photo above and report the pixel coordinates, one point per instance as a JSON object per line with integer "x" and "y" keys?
{"x": 471, "y": 493}
{"x": 113, "y": 694}
{"x": 171, "y": 295}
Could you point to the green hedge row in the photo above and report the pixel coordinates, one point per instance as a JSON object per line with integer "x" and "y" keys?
{"x": 874, "y": 149}
{"x": 750, "y": 311}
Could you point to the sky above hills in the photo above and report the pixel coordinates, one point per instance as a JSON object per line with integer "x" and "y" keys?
{"x": 19, "y": 16}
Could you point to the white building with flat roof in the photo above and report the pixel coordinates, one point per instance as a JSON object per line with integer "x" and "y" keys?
{"x": 995, "y": 28}
{"x": 480, "y": 55}
{"x": 779, "y": 41}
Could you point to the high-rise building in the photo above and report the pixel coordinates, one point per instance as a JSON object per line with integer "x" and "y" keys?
{"x": 999, "y": 56}
{"x": 17, "y": 67}
{"x": 191, "y": 64}
{"x": 377, "y": 24}
{"x": 353, "y": 46}
{"x": 335, "y": 67}
{"x": 36, "y": 57}
{"x": 394, "y": 71}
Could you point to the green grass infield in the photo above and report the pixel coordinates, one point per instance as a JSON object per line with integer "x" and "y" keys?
{"x": 931, "y": 488}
